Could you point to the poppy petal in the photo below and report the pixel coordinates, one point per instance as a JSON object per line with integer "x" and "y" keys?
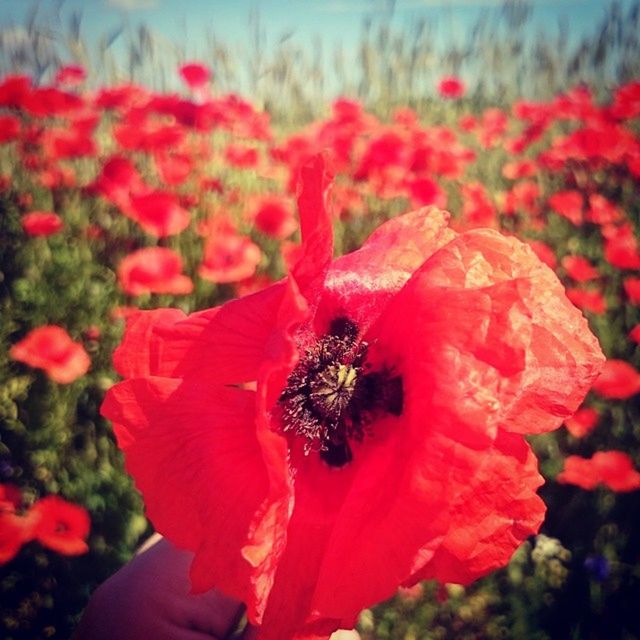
{"x": 193, "y": 451}
{"x": 315, "y": 228}
{"x": 60, "y": 525}
{"x": 514, "y": 347}
{"x": 360, "y": 284}
{"x": 497, "y": 511}
{"x": 142, "y": 352}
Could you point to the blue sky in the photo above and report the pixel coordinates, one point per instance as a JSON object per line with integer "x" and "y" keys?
{"x": 335, "y": 21}
{"x": 332, "y": 19}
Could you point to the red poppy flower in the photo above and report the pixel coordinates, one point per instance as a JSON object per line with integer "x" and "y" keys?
{"x": 518, "y": 169}
{"x": 121, "y": 97}
{"x": 582, "y": 422}
{"x": 579, "y": 268}
{"x": 424, "y": 191}
{"x": 522, "y": 197}
{"x": 451, "y": 87}
{"x": 71, "y": 142}
{"x": 242, "y": 157}
{"x": 173, "y": 168}
{"x": 118, "y": 180}
{"x": 634, "y": 334}
{"x": 153, "y": 270}
{"x": 149, "y": 137}
{"x": 195, "y": 75}
{"x": 272, "y": 216}
{"x": 52, "y": 349}
{"x": 478, "y": 209}
{"x": 9, "y": 128}
{"x": 591, "y": 300}
{"x": 228, "y": 255}
{"x": 614, "y": 469}
{"x": 568, "y": 204}
{"x": 544, "y": 252}
{"x": 632, "y": 289}
{"x": 626, "y": 104}
{"x": 13, "y": 90}
{"x": 41, "y": 223}
{"x": 70, "y": 74}
{"x": 158, "y": 213}
{"x": 383, "y": 442}
{"x": 618, "y": 380}
{"x": 50, "y": 101}
{"x": 602, "y": 211}
{"x": 60, "y": 525}
{"x": 621, "y": 248}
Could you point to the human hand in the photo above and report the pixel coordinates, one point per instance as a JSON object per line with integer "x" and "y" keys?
{"x": 149, "y": 598}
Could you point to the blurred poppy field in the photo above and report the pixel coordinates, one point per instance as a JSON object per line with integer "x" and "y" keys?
{"x": 116, "y": 197}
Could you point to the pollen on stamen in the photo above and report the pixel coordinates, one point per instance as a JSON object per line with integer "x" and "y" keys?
{"x": 332, "y": 396}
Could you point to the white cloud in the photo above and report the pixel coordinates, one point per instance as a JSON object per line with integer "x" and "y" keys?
{"x": 132, "y": 5}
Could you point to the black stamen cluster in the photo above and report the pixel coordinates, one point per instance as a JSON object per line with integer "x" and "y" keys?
{"x": 331, "y": 395}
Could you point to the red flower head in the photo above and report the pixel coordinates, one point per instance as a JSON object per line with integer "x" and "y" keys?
{"x": 590, "y": 300}
{"x": 618, "y": 380}
{"x": 229, "y": 256}
{"x": 383, "y": 443}
{"x": 240, "y": 156}
{"x": 621, "y": 248}
{"x": 614, "y": 469}
{"x": 60, "y": 525}
{"x": 54, "y": 522}
{"x": 41, "y": 223}
{"x": 9, "y": 128}
{"x": 632, "y": 289}
{"x": 118, "y": 180}
{"x": 602, "y": 211}
{"x": 158, "y": 212}
{"x": 478, "y": 209}
{"x": 518, "y": 169}
{"x": 424, "y": 191}
{"x": 569, "y": 204}
{"x": 52, "y": 349}
{"x": 272, "y": 216}
{"x": 174, "y": 168}
{"x": 582, "y": 422}
{"x": 71, "y": 74}
{"x": 195, "y": 75}
{"x": 544, "y": 253}
{"x": 153, "y": 270}
{"x": 579, "y": 268}
{"x": 451, "y": 87}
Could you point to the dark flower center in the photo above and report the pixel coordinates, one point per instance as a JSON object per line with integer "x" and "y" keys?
{"x": 333, "y": 395}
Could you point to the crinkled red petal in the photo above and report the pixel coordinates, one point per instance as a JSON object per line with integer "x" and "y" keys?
{"x": 360, "y": 284}
{"x": 486, "y": 338}
{"x": 496, "y": 511}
